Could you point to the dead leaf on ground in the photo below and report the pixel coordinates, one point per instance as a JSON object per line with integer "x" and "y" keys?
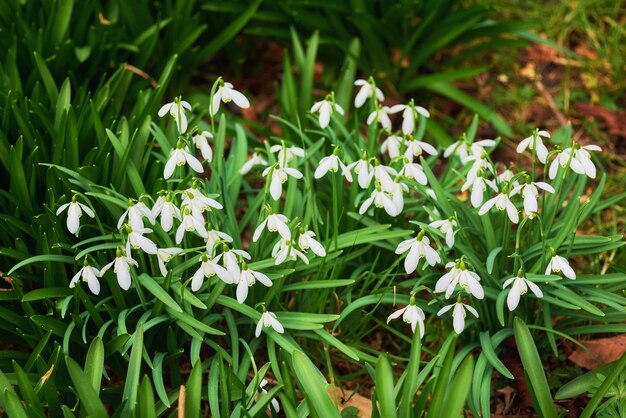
{"x": 615, "y": 121}
{"x": 606, "y": 349}
{"x": 363, "y": 404}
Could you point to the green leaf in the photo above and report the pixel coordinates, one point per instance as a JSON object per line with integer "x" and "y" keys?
{"x": 194, "y": 390}
{"x": 604, "y": 387}
{"x": 131, "y": 384}
{"x": 385, "y": 388}
{"x": 314, "y": 386}
{"x": 83, "y": 387}
{"x": 490, "y": 353}
{"x": 459, "y": 389}
{"x": 145, "y": 407}
{"x": 41, "y": 259}
{"x": 47, "y": 293}
{"x": 153, "y": 287}
{"x": 14, "y": 407}
{"x": 94, "y": 363}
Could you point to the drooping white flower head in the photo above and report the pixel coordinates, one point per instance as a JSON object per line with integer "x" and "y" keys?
{"x": 582, "y": 156}
{"x": 478, "y": 185}
{"x": 464, "y": 149}
{"x": 458, "y": 274}
{"x": 231, "y": 259}
{"x": 325, "y": 108}
{"x": 534, "y": 142}
{"x": 397, "y": 195}
{"x": 88, "y": 274}
{"x": 136, "y": 240}
{"x": 418, "y": 248}
{"x": 447, "y": 227}
{"x": 284, "y": 251}
{"x": 380, "y": 199}
{"x": 274, "y": 222}
{"x": 177, "y": 110}
{"x": 560, "y": 264}
{"x": 307, "y": 240}
{"x": 259, "y": 393}
{"x": 209, "y": 268}
{"x": 502, "y": 202}
{"x": 367, "y": 90}
{"x": 256, "y": 159}
{"x": 392, "y": 145}
{"x": 198, "y": 202}
{"x": 384, "y": 175}
{"x": 214, "y": 237}
{"x": 278, "y": 177}
{"x": 415, "y": 148}
{"x": 74, "y": 212}
{"x": 285, "y": 154}
{"x": 190, "y": 223}
{"x": 380, "y": 115}
{"x": 413, "y": 171}
{"x": 178, "y": 158}
{"x": 530, "y": 193}
{"x": 226, "y": 93}
{"x": 248, "y": 279}
{"x": 332, "y": 163}
{"x": 458, "y": 314}
{"x": 268, "y": 320}
{"x": 164, "y": 255}
{"x": 121, "y": 267}
{"x": 364, "y": 171}
{"x": 168, "y": 211}
{"x": 519, "y": 288}
{"x": 409, "y": 113}
{"x": 411, "y": 314}
{"x": 201, "y": 141}
{"x": 135, "y": 214}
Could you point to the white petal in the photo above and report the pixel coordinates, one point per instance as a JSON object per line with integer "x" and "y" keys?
{"x": 258, "y": 231}
{"x": 164, "y": 109}
{"x": 242, "y": 291}
{"x": 239, "y": 99}
{"x": 512, "y": 299}
{"x": 87, "y": 210}
{"x": 487, "y": 206}
{"x": 217, "y": 98}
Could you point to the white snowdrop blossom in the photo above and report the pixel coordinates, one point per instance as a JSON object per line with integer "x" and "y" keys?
{"x": 411, "y": 314}
{"x": 74, "y": 213}
{"x": 519, "y": 288}
{"x": 278, "y": 177}
{"x": 285, "y": 154}
{"x": 364, "y": 171}
{"x": 464, "y": 149}
{"x": 413, "y": 171}
{"x": 397, "y": 195}
{"x": 383, "y": 174}
{"x": 478, "y": 186}
{"x": 259, "y": 393}
{"x": 284, "y": 251}
{"x": 190, "y": 224}
{"x": 306, "y": 240}
{"x": 530, "y": 193}
{"x": 268, "y": 319}
{"x": 458, "y": 314}
{"x": 178, "y": 158}
{"x": 256, "y": 159}
{"x": 458, "y": 274}
{"x": 201, "y": 141}
{"x": 274, "y": 222}
{"x": 90, "y": 275}
{"x": 325, "y": 108}
{"x": 380, "y": 115}
{"x": 209, "y": 268}
{"x": 164, "y": 255}
{"x": 177, "y": 110}
{"x": 136, "y": 240}
{"x": 168, "y": 211}
{"x": 418, "y": 248}
{"x": 501, "y": 202}
{"x": 563, "y": 158}
{"x": 409, "y": 113}
{"x": 380, "y": 199}
{"x": 226, "y": 93}
{"x": 213, "y": 237}
{"x": 447, "y": 227}
{"x": 247, "y": 279}
{"x": 534, "y": 142}
{"x": 230, "y": 261}
{"x": 582, "y": 156}
{"x": 480, "y": 164}
{"x": 367, "y": 90}
{"x": 560, "y": 264}
{"x": 392, "y": 145}
{"x": 507, "y": 176}
{"x": 332, "y": 163}
{"x": 198, "y": 202}
{"x": 121, "y": 267}
{"x": 415, "y": 148}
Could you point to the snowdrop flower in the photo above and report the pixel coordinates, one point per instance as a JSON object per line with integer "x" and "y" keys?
{"x": 178, "y": 158}
{"x": 502, "y": 202}
{"x": 415, "y": 148}
{"x": 409, "y": 113}
{"x": 560, "y": 264}
{"x": 136, "y": 240}
{"x": 283, "y": 251}
{"x": 268, "y": 319}
{"x": 332, "y": 163}
{"x": 164, "y": 255}
{"x": 259, "y": 393}
{"x": 413, "y": 171}
{"x": 209, "y": 268}
{"x": 519, "y": 288}
{"x": 563, "y": 158}
{"x": 213, "y": 237}
{"x": 582, "y": 156}
{"x": 306, "y": 241}
{"x": 325, "y": 108}
{"x": 190, "y": 224}
{"x": 278, "y": 177}
{"x": 364, "y": 171}
{"x": 201, "y": 142}
{"x": 447, "y": 227}
{"x": 481, "y": 163}
{"x": 230, "y": 261}
{"x": 256, "y": 159}
{"x": 411, "y": 314}
{"x": 168, "y": 211}
{"x": 397, "y": 194}
{"x": 380, "y": 199}
{"x": 383, "y": 175}
{"x": 534, "y": 142}
{"x": 87, "y": 274}
{"x": 418, "y": 248}
{"x": 458, "y": 314}
{"x": 507, "y": 176}
{"x": 121, "y": 267}
{"x": 478, "y": 186}
{"x": 177, "y": 110}
{"x": 392, "y": 145}
{"x": 459, "y": 274}
{"x": 530, "y": 193}
{"x": 248, "y": 278}
{"x": 135, "y": 214}
{"x": 274, "y": 222}
{"x": 226, "y": 93}
{"x": 198, "y": 202}
{"x": 285, "y": 154}
{"x": 464, "y": 149}
{"x": 380, "y": 115}
{"x": 74, "y": 212}
{"x": 367, "y": 90}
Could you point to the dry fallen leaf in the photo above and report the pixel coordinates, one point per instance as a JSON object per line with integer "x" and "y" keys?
{"x": 363, "y": 404}
{"x": 606, "y": 350}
